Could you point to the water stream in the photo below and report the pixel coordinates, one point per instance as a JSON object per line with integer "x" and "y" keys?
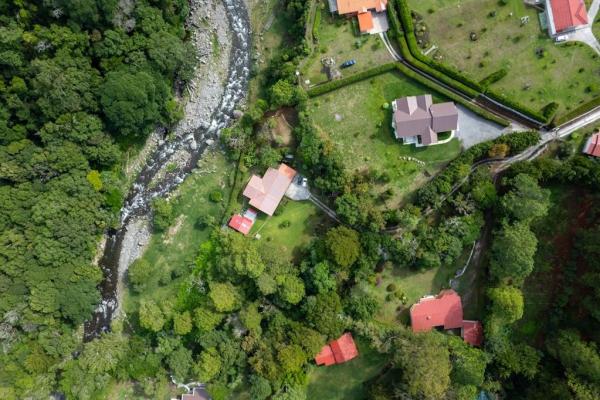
{"x": 194, "y": 142}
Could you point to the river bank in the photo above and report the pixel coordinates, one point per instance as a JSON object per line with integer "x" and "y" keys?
{"x": 221, "y": 38}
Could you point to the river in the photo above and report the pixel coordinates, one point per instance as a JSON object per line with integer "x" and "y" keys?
{"x": 153, "y": 182}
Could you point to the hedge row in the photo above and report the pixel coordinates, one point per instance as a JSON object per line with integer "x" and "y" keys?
{"x": 549, "y": 111}
{"x": 443, "y": 183}
{"x": 493, "y": 77}
{"x": 574, "y": 113}
{"x": 408, "y": 56}
{"x": 361, "y": 76}
{"x": 409, "y": 30}
{"x": 412, "y": 53}
{"x": 316, "y": 24}
{"x": 451, "y": 95}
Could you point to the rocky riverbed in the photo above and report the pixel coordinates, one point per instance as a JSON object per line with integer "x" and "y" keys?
{"x": 221, "y": 38}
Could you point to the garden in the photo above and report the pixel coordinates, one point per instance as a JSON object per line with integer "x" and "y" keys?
{"x": 355, "y": 118}
{"x": 338, "y": 37}
{"x": 479, "y": 37}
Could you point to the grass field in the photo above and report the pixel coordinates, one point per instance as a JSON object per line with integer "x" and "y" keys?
{"x": 568, "y": 74}
{"x": 337, "y": 39}
{"x": 177, "y": 248}
{"x": 362, "y": 132}
{"x": 345, "y": 381}
{"x": 304, "y": 220}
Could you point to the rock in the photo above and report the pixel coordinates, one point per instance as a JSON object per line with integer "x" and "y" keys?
{"x": 210, "y": 142}
{"x": 237, "y": 114}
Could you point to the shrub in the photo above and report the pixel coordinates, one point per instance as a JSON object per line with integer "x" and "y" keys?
{"x": 499, "y": 150}
{"x": 582, "y": 109}
{"x": 216, "y": 196}
{"x": 163, "y": 214}
{"x": 361, "y": 76}
{"x": 391, "y": 287}
{"x": 493, "y": 77}
{"x": 285, "y": 224}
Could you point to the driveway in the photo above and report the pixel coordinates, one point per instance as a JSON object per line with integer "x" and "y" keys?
{"x": 586, "y": 35}
{"x": 380, "y": 23}
{"x": 473, "y": 129}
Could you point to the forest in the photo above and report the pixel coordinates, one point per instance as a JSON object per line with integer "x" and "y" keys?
{"x": 83, "y": 82}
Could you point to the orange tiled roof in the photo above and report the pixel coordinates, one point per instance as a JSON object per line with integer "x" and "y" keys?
{"x": 357, "y": 6}
{"x": 365, "y": 21}
{"x": 265, "y": 193}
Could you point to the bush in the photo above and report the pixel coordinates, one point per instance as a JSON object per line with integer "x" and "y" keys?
{"x": 361, "y": 76}
{"x": 391, "y": 287}
{"x": 285, "y": 224}
{"x": 163, "y": 214}
{"x": 316, "y": 25}
{"x": 499, "y": 150}
{"x": 493, "y": 77}
{"x": 574, "y": 113}
{"x": 216, "y": 196}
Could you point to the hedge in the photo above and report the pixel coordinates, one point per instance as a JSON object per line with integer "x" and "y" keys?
{"x": 409, "y": 30}
{"x": 507, "y": 101}
{"x": 574, "y": 113}
{"x": 451, "y": 95}
{"x": 549, "y": 111}
{"x": 361, "y": 76}
{"x": 493, "y": 77}
{"x": 316, "y": 24}
{"x": 408, "y": 56}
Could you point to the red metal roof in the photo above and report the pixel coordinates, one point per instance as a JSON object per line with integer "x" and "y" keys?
{"x": 325, "y": 357}
{"x": 443, "y": 310}
{"x": 472, "y": 332}
{"x": 241, "y": 224}
{"x": 365, "y": 21}
{"x": 356, "y": 6}
{"x": 568, "y": 14}
{"x": 338, "y": 351}
{"x": 265, "y": 193}
{"x": 592, "y": 147}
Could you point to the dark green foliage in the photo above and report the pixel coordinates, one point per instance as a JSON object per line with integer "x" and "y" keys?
{"x": 493, "y": 77}
{"x": 512, "y": 253}
{"x": 574, "y": 113}
{"x": 163, "y": 214}
{"x": 361, "y": 76}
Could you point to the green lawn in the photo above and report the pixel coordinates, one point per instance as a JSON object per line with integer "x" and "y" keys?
{"x": 362, "y": 132}
{"x": 338, "y": 39}
{"x": 176, "y": 249}
{"x": 568, "y": 73}
{"x": 345, "y": 381}
{"x": 304, "y": 219}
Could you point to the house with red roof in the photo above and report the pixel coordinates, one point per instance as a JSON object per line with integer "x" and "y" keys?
{"x": 266, "y": 193}
{"x": 445, "y": 311}
{"x": 338, "y": 351}
{"x": 362, "y": 9}
{"x": 565, "y": 16}
{"x": 243, "y": 223}
{"x": 592, "y": 146}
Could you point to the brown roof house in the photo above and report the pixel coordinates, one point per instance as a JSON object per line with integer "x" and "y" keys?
{"x": 418, "y": 121}
{"x": 265, "y": 193}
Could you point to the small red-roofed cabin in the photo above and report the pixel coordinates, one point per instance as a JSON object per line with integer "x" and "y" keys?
{"x": 325, "y": 357}
{"x": 241, "y": 224}
{"x": 443, "y": 310}
{"x": 338, "y": 351}
{"x": 592, "y": 146}
{"x": 472, "y": 332}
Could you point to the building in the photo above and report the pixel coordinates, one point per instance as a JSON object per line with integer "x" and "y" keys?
{"x": 243, "y": 223}
{"x": 338, "y": 351}
{"x": 445, "y": 311}
{"x": 592, "y": 146}
{"x": 363, "y": 9}
{"x": 564, "y": 16}
{"x": 266, "y": 193}
{"x": 197, "y": 393}
{"x": 418, "y": 121}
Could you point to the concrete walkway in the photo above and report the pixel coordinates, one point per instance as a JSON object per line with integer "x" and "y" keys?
{"x": 593, "y": 11}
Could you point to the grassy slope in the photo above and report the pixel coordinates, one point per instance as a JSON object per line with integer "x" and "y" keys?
{"x": 344, "y": 381}
{"x": 506, "y": 44}
{"x": 177, "y": 248}
{"x": 365, "y": 137}
{"x": 337, "y": 39}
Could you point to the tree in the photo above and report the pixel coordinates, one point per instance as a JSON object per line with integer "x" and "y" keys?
{"x": 104, "y": 354}
{"x": 425, "y": 364}
{"x": 206, "y": 320}
{"x": 139, "y": 273}
{"x": 577, "y": 357}
{"x": 292, "y": 289}
{"x": 251, "y": 318}
{"x": 526, "y": 201}
{"x": 260, "y": 388}
{"x": 225, "y": 296}
{"x": 182, "y": 323}
{"x": 512, "y": 253}
{"x": 362, "y": 304}
{"x": 291, "y": 357}
{"x": 282, "y": 93}
{"x": 343, "y": 245}
{"x": 507, "y": 303}
{"x": 208, "y": 365}
{"x": 323, "y": 313}
{"x": 484, "y": 193}
{"x": 151, "y": 316}
{"x": 499, "y": 150}
{"x": 468, "y": 363}
{"x": 163, "y": 214}
{"x": 132, "y": 102}
{"x": 180, "y": 361}
{"x": 322, "y": 279}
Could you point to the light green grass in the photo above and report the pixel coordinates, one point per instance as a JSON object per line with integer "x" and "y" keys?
{"x": 177, "y": 248}
{"x": 337, "y": 39}
{"x": 365, "y": 137}
{"x": 345, "y": 381}
{"x": 304, "y": 218}
{"x": 504, "y": 43}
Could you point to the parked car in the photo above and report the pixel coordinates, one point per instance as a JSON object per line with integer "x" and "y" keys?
{"x": 304, "y": 182}
{"x": 348, "y": 63}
